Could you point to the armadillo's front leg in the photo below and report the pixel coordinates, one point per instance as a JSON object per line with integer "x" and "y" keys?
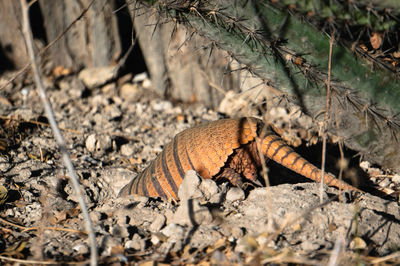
{"x": 230, "y": 175}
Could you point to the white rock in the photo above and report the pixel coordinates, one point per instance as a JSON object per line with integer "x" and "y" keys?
{"x": 98, "y": 143}
{"x": 309, "y": 246}
{"x": 189, "y": 187}
{"x": 216, "y": 198}
{"x": 4, "y": 164}
{"x": 97, "y": 76}
{"x": 112, "y": 111}
{"x": 81, "y": 248}
{"x": 191, "y": 213}
{"x": 235, "y": 194}
{"x": 174, "y": 231}
{"x": 137, "y": 243}
{"x": 119, "y": 231}
{"x": 396, "y": 179}
{"x": 129, "y": 92}
{"x": 258, "y": 194}
{"x": 90, "y": 143}
{"x": 147, "y": 84}
{"x": 140, "y": 77}
{"x": 161, "y": 105}
{"x": 95, "y": 217}
{"x": 127, "y": 150}
{"x": 25, "y": 114}
{"x": 155, "y": 240}
{"x": 385, "y": 182}
{"x": 209, "y": 188}
{"x": 158, "y": 223}
{"x": 237, "y": 232}
{"x": 364, "y": 165}
{"x": 23, "y": 175}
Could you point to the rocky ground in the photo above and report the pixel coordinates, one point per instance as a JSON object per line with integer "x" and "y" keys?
{"x": 112, "y": 132}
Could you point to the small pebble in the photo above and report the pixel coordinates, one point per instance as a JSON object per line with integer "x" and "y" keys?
{"x": 237, "y": 232}
{"x": 155, "y": 240}
{"x": 90, "y": 143}
{"x": 23, "y": 175}
{"x": 81, "y": 248}
{"x": 140, "y": 77}
{"x": 396, "y": 179}
{"x": 262, "y": 239}
{"x": 137, "y": 243}
{"x": 160, "y": 106}
{"x": 95, "y": 217}
{"x": 357, "y": 243}
{"x": 129, "y": 92}
{"x": 235, "y": 194}
{"x": 364, "y": 165}
{"x": 384, "y": 183}
{"x": 189, "y": 187}
{"x": 97, "y": 76}
{"x": 258, "y": 194}
{"x": 191, "y": 213}
{"x": 127, "y": 150}
{"x": 112, "y": 111}
{"x": 158, "y": 223}
{"x": 174, "y": 230}
{"x": 309, "y": 246}
{"x": 218, "y": 257}
{"x": 4, "y": 164}
{"x": 120, "y": 231}
{"x": 98, "y": 144}
{"x": 209, "y": 188}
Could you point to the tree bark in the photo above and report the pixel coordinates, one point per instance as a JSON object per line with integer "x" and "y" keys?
{"x": 180, "y": 68}
{"x": 12, "y": 46}
{"x": 92, "y": 42}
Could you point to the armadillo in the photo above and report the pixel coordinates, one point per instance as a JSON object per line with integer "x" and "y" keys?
{"x": 222, "y": 149}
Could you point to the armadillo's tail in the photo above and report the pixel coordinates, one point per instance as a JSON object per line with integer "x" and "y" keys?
{"x": 161, "y": 178}
{"x": 139, "y": 185}
{"x": 276, "y": 149}
{"x": 145, "y": 184}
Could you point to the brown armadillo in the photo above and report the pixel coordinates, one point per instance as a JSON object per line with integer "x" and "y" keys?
{"x": 221, "y": 149}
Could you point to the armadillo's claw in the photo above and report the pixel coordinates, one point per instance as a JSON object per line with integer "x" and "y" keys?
{"x": 257, "y": 183}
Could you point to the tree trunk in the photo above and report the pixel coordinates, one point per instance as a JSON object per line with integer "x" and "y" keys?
{"x": 92, "y": 42}
{"x": 12, "y": 45}
{"x": 180, "y": 68}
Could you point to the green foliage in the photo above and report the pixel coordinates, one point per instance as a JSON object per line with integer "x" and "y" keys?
{"x": 354, "y": 13}
{"x": 292, "y": 56}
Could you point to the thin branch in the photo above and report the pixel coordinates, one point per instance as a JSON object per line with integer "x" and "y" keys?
{"x": 56, "y": 131}
{"x": 33, "y": 262}
{"x": 41, "y": 52}
{"x": 34, "y": 228}
{"x": 334, "y": 258}
{"x": 326, "y": 118}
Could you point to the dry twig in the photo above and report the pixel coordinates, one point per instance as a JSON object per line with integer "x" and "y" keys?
{"x": 326, "y": 118}
{"x": 41, "y": 52}
{"x": 56, "y": 131}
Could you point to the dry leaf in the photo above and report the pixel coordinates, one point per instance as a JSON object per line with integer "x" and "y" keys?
{"x": 180, "y": 118}
{"x": 59, "y": 71}
{"x": 357, "y": 243}
{"x": 118, "y": 249}
{"x": 332, "y": 227}
{"x": 3, "y": 194}
{"x": 376, "y": 40}
{"x": 3, "y": 145}
{"x": 296, "y": 227}
{"x": 363, "y": 47}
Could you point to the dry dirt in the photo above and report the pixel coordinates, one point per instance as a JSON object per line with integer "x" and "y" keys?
{"x": 112, "y": 133}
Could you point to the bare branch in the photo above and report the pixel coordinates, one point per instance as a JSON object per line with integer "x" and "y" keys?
{"x": 56, "y": 131}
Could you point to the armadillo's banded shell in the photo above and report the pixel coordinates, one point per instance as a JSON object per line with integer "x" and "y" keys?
{"x": 204, "y": 148}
